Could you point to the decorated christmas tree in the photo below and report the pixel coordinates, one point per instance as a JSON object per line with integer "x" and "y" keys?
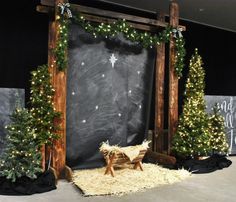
{"x": 217, "y": 130}
{"x": 21, "y": 156}
{"x": 42, "y": 109}
{"x": 192, "y": 137}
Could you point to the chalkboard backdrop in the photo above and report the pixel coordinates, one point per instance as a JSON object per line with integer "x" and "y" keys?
{"x": 227, "y": 105}
{"x": 109, "y": 87}
{"x": 8, "y": 98}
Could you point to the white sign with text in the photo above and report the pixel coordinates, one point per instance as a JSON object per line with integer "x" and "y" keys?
{"x": 227, "y": 105}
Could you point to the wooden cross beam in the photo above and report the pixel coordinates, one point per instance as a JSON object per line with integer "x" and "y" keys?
{"x": 100, "y": 15}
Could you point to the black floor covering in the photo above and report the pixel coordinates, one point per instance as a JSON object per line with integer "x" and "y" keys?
{"x": 26, "y": 186}
{"x": 213, "y": 163}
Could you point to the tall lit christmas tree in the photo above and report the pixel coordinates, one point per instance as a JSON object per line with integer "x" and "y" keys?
{"x": 217, "y": 130}
{"x": 21, "y": 156}
{"x": 42, "y": 109}
{"x": 192, "y": 136}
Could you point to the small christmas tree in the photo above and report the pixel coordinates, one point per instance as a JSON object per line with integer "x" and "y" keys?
{"x": 21, "y": 156}
{"x": 192, "y": 136}
{"x": 42, "y": 108}
{"x": 217, "y": 130}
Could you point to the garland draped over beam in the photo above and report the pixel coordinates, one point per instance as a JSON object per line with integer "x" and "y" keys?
{"x": 145, "y": 39}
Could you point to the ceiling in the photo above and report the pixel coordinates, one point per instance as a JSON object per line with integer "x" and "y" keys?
{"x": 216, "y": 13}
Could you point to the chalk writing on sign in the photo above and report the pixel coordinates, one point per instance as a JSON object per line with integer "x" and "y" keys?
{"x": 227, "y": 106}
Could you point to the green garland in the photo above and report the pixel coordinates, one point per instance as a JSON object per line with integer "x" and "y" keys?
{"x": 62, "y": 44}
{"x": 181, "y": 52}
{"x": 110, "y": 30}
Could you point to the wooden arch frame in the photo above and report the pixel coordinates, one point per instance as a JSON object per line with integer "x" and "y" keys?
{"x": 59, "y": 78}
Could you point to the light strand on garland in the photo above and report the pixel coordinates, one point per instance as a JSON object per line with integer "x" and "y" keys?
{"x": 111, "y": 30}
{"x": 61, "y": 44}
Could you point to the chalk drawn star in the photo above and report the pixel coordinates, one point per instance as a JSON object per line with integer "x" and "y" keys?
{"x": 113, "y": 60}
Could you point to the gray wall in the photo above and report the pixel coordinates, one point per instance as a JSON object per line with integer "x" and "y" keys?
{"x": 8, "y": 98}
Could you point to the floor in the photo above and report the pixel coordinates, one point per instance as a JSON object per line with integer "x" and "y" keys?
{"x": 218, "y": 186}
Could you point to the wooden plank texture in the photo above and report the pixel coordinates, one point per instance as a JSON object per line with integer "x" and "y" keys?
{"x": 100, "y": 19}
{"x": 59, "y": 147}
{"x": 159, "y": 95}
{"x": 59, "y": 84}
{"x": 159, "y": 158}
{"x": 112, "y": 14}
{"x": 100, "y": 13}
{"x": 47, "y": 2}
{"x": 43, "y": 158}
{"x": 173, "y": 79}
{"x": 45, "y": 9}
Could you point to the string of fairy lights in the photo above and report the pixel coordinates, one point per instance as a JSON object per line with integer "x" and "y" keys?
{"x": 109, "y": 30}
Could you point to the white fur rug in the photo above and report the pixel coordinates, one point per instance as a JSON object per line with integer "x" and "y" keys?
{"x": 94, "y": 182}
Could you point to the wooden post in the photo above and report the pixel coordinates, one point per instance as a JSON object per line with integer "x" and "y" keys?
{"x": 43, "y": 158}
{"x": 59, "y": 84}
{"x": 159, "y": 95}
{"x": 173, "y": 78}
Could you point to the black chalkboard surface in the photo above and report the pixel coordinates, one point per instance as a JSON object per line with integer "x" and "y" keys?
{"x": 108, "y": 95}
{"x": 227, "y": 105}
{"x": 8, "y": 99}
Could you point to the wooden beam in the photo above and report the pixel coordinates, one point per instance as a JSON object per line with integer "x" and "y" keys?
{"x": 107, "y": 20}
{"x": 68, "y": 174}
{"x": 43, "y": 160}
{"x": 173, "y": 79}
{"x": 59, "y": 84}
{"x": 159, "y": 95}
{"x": 108, "y": 14}
{"x": 158, "y": 158}
{"x": 45, "y": 9}
{"x": 93, "y": 18}
{"x": 117, "y": 15}
{"x": 48, "y": 2}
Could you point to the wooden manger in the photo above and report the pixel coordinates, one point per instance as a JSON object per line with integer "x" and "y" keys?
{"x": 120, "y": 159}
{"x": 123, "y": 156}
